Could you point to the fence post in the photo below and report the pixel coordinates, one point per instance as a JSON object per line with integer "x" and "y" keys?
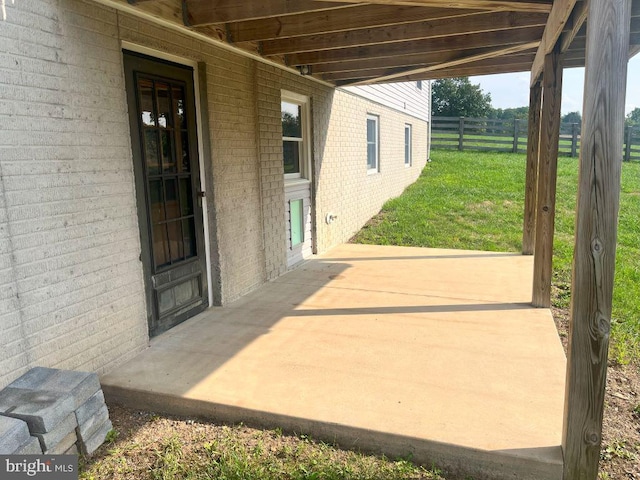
{"x": 574, "y": 139}
{"x": 461, "y": 134}
{"x": 516, "y": 134}
{"x": 627, "y": 147}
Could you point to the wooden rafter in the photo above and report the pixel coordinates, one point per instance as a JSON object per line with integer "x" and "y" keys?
{"x": 370, "y": 41}
{"x": 381, "y": 72}
{"x": 338, "y": 20}
{"x": 455, "y": 63}
{"x": 455, "y": 72}
{"x": 483, "y": 67}
{"x": 441, "y": 44}
{"x": 470, "y": 24}
{"x": 397, "y": 61}
{"x": 515, "y": 5}
{"x": 577, "y": 19}
{"x": 205, "y": 12}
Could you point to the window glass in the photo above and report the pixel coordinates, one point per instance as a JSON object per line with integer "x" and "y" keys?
{"x": 291, "y": 120}
{"x": 407, "y": 144}
{"x": 291, "y": 154}
{"x": 164, "y": 105}
{"x": 296, "y": 217}
{"x": 372, "y": 142}
{"x": 293, "y": 139}
{"x": 146, "y": 102}
{"x": 152, "y": 151}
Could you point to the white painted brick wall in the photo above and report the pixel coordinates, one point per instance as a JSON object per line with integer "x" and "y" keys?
{"x": 342, "y": 185}
{"x": 233, "y": 169}
{"x": 71, "y": 286}
{"x": 71, "y": 282}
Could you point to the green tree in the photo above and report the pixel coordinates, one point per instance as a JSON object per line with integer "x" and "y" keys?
{"x": 458, "y": 97}
{"x": 572, "y": 117}
{"x": 521, "y": 113}
{"x": 633, "y": 119}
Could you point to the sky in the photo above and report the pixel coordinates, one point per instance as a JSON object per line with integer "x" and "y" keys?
{"x": 512, "y": 89}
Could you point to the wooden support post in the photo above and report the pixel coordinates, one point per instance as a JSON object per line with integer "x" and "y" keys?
{"x": 547, "y": 175}
{"x": 596, "y": 231}
{"x": 461, "y": 135}
{"x": 531, "y": 187}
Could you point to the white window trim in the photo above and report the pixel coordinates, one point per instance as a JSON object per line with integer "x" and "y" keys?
{"x": 376, "y": 169}
{"x": 408, "y": 126}
{"x": 305, "y": 161}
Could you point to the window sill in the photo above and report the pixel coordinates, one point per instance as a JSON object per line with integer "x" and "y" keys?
{"x": 373, "y": 171}
{"x": 290, "y": 182}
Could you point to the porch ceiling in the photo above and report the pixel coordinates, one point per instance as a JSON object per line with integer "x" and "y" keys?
{"x": 375, "y": 41}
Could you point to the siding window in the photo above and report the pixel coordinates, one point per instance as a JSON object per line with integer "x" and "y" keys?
{"x": 407, "y": 145}
{"x": 296, "y": 217}
{"x": 293, "y": 139}
{"x": 373, "y": 143}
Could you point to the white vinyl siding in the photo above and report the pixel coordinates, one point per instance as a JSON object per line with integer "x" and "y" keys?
{"x": 404, "y": 97}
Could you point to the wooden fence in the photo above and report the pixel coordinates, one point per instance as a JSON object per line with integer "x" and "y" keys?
{"x": 485, "y": 134}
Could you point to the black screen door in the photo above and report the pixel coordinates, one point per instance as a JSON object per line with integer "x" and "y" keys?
{"x": 161, "y": 102}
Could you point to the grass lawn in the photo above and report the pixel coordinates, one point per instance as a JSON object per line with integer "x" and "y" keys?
{"x": 475, "y": 201}
{"x": 146, "y": 446}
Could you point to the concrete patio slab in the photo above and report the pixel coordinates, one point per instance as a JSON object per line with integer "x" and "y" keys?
{"x": 431, "y": 353}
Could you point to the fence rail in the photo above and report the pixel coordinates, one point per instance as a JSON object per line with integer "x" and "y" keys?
{"x": 484, "y": 134}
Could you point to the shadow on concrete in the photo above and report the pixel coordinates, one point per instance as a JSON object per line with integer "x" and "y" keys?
{"x": 445, "y": 361}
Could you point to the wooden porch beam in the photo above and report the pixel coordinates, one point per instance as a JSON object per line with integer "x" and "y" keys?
{"x": 453, "y": 63}
{"x": 470, "y": 24}
{"x": 382, "y": 71}
{"x": 454, "y": 72}
{"x": 596, "y": 235}
{"x": 442, "y": 44}
{"x": 543, "y": 6}
{"x": 342, "y": 19}
{"x": 559, "y": 16}
{"x": 533, "y": 158}
{"x": 406, "y": 61}
{"x": 547, "y": 176}
{"x": 570, "y": 43}
{"x": 467, "y": 71}
{"x": 205, "y": 12}
{"x": 578, "y": 17}
{"x": 396, "y": 61}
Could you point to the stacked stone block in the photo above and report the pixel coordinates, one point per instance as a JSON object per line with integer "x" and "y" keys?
{"x": 63, "y": 410}
{"x": 15, "y": 438}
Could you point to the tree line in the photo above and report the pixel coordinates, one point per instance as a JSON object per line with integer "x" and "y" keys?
{"x": 458, "y": 97}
